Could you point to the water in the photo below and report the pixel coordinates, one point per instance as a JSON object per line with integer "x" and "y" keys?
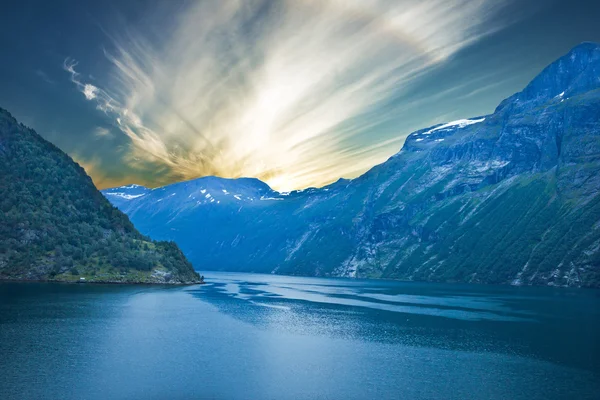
{"x": 246, "y": 336}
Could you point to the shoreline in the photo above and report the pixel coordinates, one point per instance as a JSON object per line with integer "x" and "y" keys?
{"x": 2, "y": 280}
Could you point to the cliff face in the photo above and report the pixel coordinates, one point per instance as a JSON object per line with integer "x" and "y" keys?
{"x": 509, "y": 198}
{"x": 55, "y": 225}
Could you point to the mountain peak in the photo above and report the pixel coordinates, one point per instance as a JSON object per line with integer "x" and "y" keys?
{"x": 585, "y": 47}
{"x": 576, "y": 72}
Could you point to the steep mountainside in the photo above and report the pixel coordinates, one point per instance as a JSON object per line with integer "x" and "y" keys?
{"x": 55, "y": 225}
{"x": 508, "y": 198}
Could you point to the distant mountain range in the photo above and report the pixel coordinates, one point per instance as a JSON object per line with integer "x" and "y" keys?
{"x": 55, "y": 225}
{"x": 507, "y": 198}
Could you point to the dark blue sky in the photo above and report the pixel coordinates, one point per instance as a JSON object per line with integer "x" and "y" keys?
{"x": 295, "y": 93}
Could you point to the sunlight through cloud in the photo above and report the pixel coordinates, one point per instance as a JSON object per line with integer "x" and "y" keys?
{"x": 269, "y": 90}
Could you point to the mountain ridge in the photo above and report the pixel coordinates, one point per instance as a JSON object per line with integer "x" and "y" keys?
{"x": 511, "y": 197}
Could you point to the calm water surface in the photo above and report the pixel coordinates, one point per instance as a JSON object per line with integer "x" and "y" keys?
{"x": 246, "y": 336}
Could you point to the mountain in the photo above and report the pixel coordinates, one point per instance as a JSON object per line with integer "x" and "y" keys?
{"x": 507, "y": 198}
{"x": 55, "y": 224}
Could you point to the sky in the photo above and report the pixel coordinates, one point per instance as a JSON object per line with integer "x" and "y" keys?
{"x": 297, "y": 93}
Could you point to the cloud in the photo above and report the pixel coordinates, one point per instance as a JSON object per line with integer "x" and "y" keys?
{"x": 283, "y": 91}
{"x": 101, "y": 132}
{"x": 44, "y": 76}
{"x": 90, "y": 91}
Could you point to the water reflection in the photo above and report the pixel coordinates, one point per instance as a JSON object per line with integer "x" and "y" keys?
{"x": 457, "y": 307}
{"x": 247, "y": 336}
{"x": 515, "y": 321}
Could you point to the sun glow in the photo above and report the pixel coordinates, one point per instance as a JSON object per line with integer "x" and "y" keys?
{"x": 281, "y": 91}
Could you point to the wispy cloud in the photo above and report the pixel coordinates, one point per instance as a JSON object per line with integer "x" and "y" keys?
{"x": 276, "y": 90}
{"x": 44, "y": 76}
{"x": 101, "y": 132}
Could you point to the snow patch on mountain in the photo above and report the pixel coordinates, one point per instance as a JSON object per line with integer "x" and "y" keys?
{"x": 125, "y": 195}
{"x": 461, "y": 123}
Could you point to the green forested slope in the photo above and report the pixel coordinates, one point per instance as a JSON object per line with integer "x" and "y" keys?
{"x": 526, "y": 233}
{"x": 54, "y": 223}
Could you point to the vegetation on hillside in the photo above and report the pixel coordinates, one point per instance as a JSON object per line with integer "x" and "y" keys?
{"x": 55, "y": 224}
